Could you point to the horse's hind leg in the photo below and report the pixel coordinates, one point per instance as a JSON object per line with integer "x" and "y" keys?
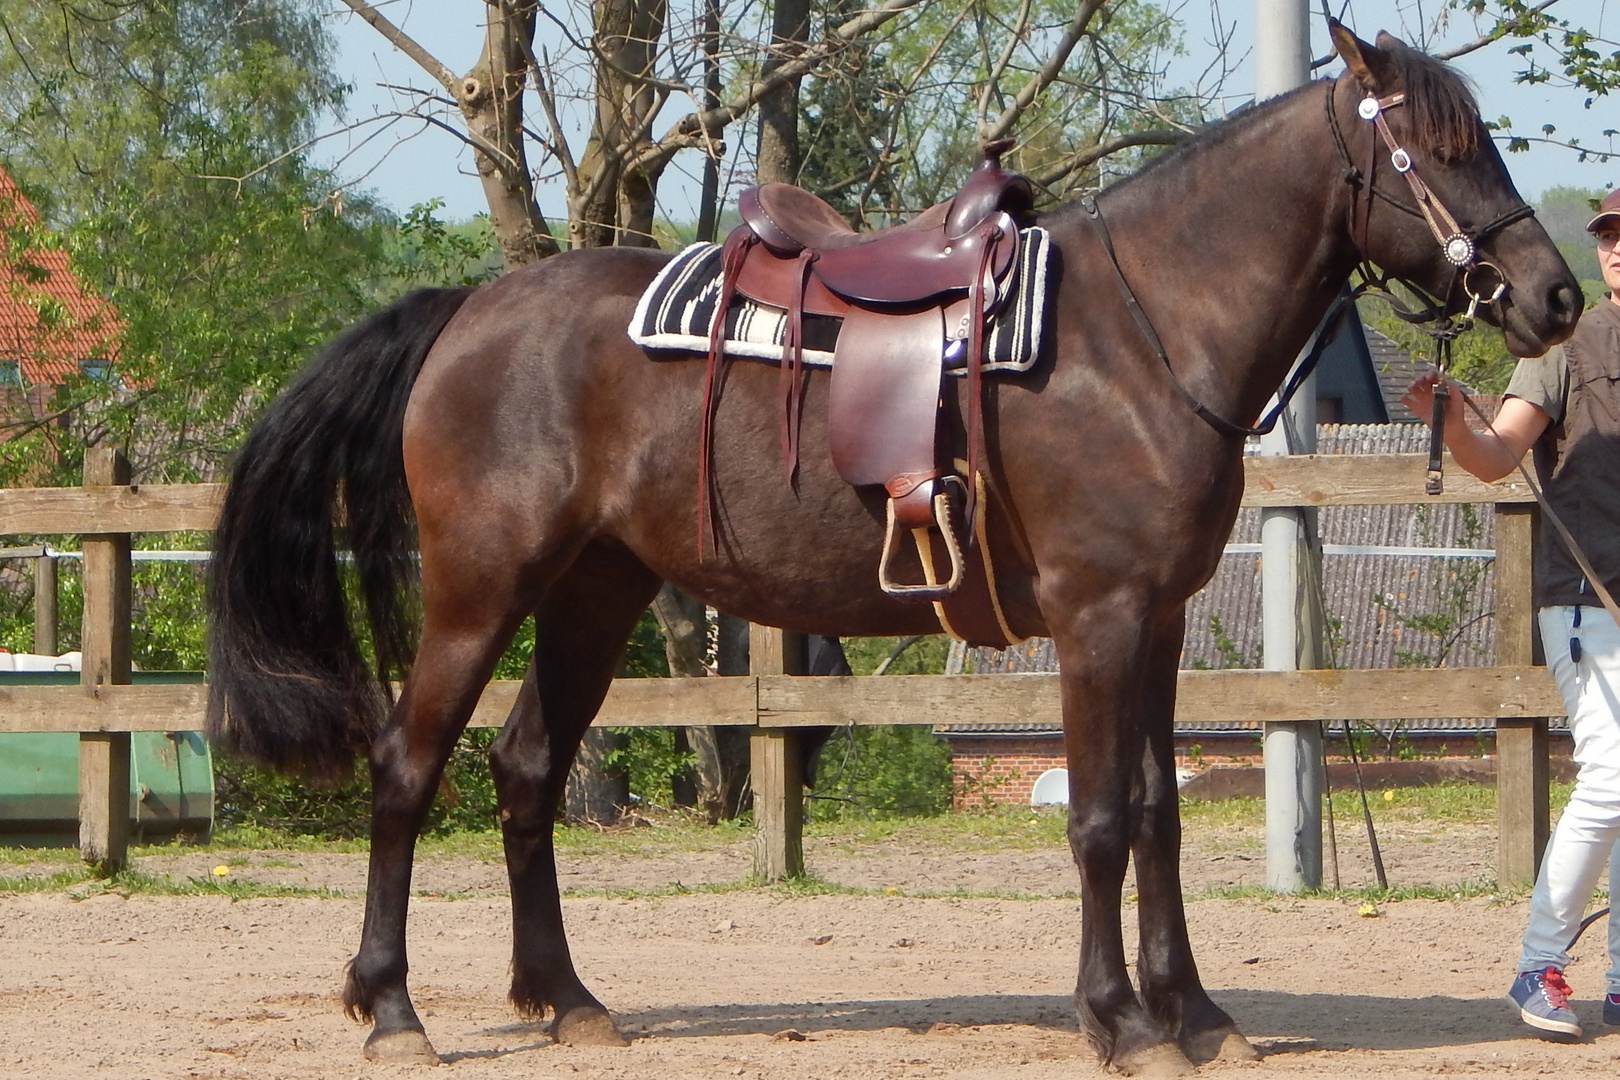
{"x": 471, "y": 608}
{"x": 580, "y": 632}
{"x": 1171, "y": 988}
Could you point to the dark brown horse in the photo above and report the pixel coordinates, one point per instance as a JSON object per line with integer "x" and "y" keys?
{"x": 550, "y": 468}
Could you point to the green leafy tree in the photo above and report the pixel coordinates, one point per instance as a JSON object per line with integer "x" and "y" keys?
{"x": 122, "y": 122}
{"x": 1553, "y": 51}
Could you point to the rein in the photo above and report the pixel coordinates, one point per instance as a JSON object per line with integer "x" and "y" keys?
{"x": 1302, "y": 371}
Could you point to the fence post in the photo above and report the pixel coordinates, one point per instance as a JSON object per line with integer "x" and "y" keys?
{"x": 1521, "y": 742}
{"x": 45, "y": 605}
{"x": 776, "y": 772}
{"x": 105, "y": 642}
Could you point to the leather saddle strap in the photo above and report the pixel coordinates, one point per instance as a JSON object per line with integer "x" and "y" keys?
{"x": 973, "y": 612}
{"x": 790, "y": 374}
{"x": 732, "y": 258}
{"x": 978, "y": 312}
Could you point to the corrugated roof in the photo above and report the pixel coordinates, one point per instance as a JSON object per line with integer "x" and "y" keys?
{"x": 49, "y": 322}
{"x": 1382, "y": 606}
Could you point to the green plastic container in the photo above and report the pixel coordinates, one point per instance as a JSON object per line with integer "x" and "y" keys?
{"x": 171, "y": 776}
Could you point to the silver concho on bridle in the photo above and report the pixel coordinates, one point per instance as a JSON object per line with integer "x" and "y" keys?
{"x": 1460, "y": 250}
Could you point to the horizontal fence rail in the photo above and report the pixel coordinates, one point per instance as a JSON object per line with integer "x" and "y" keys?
{"x": 1301, "y": 480}
{"x": 958, "y": 701}
{"x": 1516, "y": 695}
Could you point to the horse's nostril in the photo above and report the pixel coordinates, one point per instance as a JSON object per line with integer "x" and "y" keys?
{"x": 1564, "y": 302}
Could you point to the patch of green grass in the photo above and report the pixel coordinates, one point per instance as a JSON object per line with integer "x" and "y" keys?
{"x": 995, "y": 828}
{"x": 1225, "y": 813}
{"x": 19, "y": 856}
{"x": 1464, "y": 890}
{"x": 809, "y": 885}
{"x": 56, "y": 882}
{"x": 1453, "y": 802}
{"x": 82, "y": 882}
{"x": 263, "y": 838}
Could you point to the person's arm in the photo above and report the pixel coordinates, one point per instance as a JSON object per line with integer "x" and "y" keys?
{"x": 1490, "y": 454}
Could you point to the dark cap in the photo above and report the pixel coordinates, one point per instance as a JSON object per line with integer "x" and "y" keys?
{"x": 1608, "y": 214}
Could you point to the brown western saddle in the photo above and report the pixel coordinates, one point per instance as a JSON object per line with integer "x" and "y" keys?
{"x": 911, "y": 298}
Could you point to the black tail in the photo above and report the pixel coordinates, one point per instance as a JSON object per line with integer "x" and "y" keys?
{"x": 288, "y": 685}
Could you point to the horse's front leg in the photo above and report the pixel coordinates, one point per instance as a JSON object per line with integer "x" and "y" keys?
{"x": 1101, "y": 652}
{"x": 1171, "y": 988}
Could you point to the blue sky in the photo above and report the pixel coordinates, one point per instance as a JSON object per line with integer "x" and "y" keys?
{"x": 424, "y": 164}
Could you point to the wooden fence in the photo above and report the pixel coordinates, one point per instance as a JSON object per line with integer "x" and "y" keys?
{"x": 775, "y": 701}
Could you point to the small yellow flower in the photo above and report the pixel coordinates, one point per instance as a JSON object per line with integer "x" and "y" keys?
{"x": 1389, "y": 796}
{"x": 1368, "y": 910}
{"x": 890, "y": 890}
{"x": 221, "y": 870}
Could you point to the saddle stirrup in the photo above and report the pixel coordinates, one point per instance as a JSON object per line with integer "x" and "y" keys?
{"x": 932, "y": 588}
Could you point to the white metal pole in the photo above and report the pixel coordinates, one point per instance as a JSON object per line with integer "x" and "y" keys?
{"x": 1293, "y": 749}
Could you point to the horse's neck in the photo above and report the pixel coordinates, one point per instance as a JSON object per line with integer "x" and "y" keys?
{"x": 1237, "y": 250}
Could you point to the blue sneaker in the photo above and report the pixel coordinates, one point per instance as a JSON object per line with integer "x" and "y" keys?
{"x": 1611, "y": 1010}
{"x": 1543, "y": 1001}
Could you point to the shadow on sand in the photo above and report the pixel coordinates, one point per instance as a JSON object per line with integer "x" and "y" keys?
{"x": 1279, "y": 1022}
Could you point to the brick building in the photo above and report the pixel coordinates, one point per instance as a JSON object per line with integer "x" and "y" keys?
{"x": 51, "y": 326}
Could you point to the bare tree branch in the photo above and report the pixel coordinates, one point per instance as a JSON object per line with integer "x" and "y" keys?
{"x": 407, "y": 45}
{"x": 696, "y": 128}
{"x": 999, "y": 68}
{"x": 1049, "y": 176}
{"x": 1044, "y": 77}
{"x": 548, "y": 104}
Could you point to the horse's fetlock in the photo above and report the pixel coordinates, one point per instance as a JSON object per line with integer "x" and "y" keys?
{"x": 358, "y": 994}
{"x": 366, "y": 980}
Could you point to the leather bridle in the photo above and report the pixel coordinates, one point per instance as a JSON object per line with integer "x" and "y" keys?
{"x": 1481, "y": 280}
{"x": 1459, "y": 244}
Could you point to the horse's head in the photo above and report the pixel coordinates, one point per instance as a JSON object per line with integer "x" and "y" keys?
{"x": 1433, "y": 203}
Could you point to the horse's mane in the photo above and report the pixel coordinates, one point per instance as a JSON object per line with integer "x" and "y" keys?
{"x": 1444, "y": 114}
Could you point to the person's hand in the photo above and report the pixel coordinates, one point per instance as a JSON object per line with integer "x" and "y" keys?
{"x": 1419, "y": 397}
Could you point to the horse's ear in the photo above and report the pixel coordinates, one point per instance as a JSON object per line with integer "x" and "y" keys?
{"x": 1368, "y": 63}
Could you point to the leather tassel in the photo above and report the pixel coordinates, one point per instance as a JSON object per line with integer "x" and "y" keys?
{"x": 736, "y": 251}
{"x": 790, "y": 380}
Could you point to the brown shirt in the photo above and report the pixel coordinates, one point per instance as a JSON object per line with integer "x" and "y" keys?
{"x": 1578, "y": 457}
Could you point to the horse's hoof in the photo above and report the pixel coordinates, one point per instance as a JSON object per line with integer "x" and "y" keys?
{"x": 1220, "y": 1044}
{"x": 1156, "y": 1062}
{"x": 401, "y": 1048}
{"x": 586, "y": 1026}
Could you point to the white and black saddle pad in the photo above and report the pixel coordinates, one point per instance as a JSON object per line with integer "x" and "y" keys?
{"x": 677, "y": 309}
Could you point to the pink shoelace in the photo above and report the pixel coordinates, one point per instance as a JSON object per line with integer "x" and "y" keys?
{"x": 1555, "y": 988}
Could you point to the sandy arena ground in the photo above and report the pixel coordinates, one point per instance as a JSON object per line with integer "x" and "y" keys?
{"x": 755, "y": 984}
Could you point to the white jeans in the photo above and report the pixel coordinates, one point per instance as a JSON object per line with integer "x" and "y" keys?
{"x": 1588, "y": 833}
